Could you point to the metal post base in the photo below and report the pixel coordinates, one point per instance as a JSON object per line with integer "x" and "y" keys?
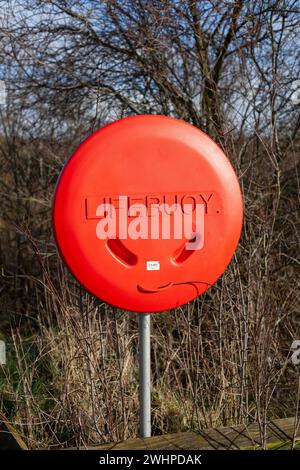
{"x": 145, "y": 374}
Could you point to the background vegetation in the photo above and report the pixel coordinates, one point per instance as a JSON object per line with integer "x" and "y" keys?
{"x": 230, "y": 68}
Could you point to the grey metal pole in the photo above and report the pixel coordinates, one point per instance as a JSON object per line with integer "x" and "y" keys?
{"x": 145, "y": 374}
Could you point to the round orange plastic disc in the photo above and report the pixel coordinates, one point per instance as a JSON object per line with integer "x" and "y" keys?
{"x": 147, "y": 162}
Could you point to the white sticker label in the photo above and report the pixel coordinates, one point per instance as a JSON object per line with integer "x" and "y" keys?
{"x": 153, "y": 266}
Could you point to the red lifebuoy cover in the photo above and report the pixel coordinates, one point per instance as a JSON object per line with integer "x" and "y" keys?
{"x": 136, "y": 170}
